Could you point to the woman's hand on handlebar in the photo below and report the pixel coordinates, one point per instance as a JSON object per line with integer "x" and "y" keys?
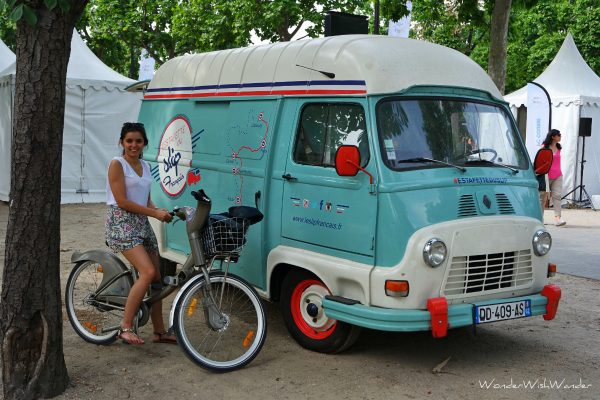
{"x": 163, "y": 215}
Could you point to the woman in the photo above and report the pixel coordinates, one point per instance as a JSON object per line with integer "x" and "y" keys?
{"x": 128, "y": 230}
{"x": 552, "y": 142}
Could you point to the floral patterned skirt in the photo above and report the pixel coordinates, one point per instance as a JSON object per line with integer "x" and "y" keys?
{"x": 125, "y": 230}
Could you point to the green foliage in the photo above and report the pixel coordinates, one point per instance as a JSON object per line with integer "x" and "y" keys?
{"x": 17, "y": 13}
{"x": 22, "y": 10}
{"x": 204, "y": 25}
{"x": 50, "y": 4}
{"x": 117, "y": 30}
{"x": 28, "y": 15}
{"x": 461, "y": 25}
{"x": 64, "y": 5}
{"x": 536, "y": 32}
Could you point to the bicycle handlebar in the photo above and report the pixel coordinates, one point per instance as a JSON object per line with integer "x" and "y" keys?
{"x": 250, "y": 214}
{"x": 201, "y": 197}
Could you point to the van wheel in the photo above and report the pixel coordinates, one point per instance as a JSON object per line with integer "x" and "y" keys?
{"x": 302, "y": 297}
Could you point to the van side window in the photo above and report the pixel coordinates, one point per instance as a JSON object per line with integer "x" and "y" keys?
{"x": 325, "y": 127}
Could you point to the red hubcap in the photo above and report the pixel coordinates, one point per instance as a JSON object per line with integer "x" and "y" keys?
{"x": 307, "y": 310}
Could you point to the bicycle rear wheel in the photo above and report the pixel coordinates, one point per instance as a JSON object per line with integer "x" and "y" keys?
{"x": 220, "y": 342}
{"x": 94, "y": 317}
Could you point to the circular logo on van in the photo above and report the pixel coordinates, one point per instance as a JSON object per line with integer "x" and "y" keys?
{"x": 175, "y": 155}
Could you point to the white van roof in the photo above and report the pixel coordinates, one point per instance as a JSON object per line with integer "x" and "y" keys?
{"x": 351, "y": 65}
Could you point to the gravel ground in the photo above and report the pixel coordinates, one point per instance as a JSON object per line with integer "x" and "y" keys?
{"x": 508, "y": 360}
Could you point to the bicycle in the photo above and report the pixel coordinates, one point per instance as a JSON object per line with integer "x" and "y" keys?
{"x": 218, "y": 318}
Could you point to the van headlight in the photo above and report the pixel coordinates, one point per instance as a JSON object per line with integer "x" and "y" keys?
{"x": 434, "y": 252}
{"x": 542, "y": 242}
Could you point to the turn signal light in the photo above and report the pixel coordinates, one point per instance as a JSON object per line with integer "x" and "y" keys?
{"x": 397, "y": 288}
{"x": 551, "y": 270}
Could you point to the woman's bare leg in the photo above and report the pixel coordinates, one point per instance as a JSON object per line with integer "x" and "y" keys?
{"x": 147, "y": 273}
{"x": 156, "y": 311}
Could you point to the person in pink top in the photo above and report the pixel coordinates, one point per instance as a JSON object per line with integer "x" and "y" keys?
{"x": 552, "y": 142}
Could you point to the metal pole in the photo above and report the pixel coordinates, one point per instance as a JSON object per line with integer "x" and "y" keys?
{"x": 376, "y": 19}
{"x": 581, "y": 186}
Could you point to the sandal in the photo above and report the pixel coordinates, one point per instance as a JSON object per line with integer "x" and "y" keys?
{"x": 164, "y": 337}
{"x": 134, "y": 339}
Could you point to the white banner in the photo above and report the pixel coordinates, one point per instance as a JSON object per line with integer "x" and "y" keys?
{"x": 538, "y": 118}
{"x": 146, "y": 66}
{"x": 402, "y": 27}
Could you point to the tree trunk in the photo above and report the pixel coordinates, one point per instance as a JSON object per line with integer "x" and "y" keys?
{"x": 498, "y": 43}
{"x": 31, "y": 349}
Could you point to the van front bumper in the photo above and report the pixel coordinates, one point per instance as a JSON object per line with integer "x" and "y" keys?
{"x": 439, "y": 315}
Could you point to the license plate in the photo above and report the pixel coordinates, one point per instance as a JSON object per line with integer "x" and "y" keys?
{"x": 502, "y": 311}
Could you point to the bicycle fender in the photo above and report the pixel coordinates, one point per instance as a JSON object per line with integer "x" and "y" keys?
{"x": 111, "y": 265}
{"x": 101, "y": 257}
{"x": 179, "y": 293}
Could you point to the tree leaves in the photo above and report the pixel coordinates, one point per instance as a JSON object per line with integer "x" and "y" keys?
{"x": 27, "y": 13}
{"x": 17, "y": 12}
{"x": 117, "y": 30}
{"x": 50, "y": 4}
{"x": 64, "y": 5}
{"x": 536, "y": 32}
{"x": 23, "y": 11}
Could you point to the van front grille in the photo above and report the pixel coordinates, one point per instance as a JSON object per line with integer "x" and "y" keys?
{"x": 489, "y": 272}
{"x": 504, "y": 206}
{"x": 466, "y": 206}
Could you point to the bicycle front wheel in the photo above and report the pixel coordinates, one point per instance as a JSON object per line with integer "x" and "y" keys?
{"x": 95, "y": 319}
{"x": 224, "y": 334}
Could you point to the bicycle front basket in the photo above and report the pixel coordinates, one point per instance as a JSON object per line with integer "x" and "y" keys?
{"x": 224, "y": 235}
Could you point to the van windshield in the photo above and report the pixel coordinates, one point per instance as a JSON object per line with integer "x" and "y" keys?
{"x": 433, "y": 133}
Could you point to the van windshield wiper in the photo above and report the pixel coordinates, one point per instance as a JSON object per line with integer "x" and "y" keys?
{"x": 482, "y": 161}
{"x": 425, "y": 159}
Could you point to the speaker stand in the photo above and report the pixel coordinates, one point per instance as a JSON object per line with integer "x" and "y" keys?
{"x": 581, "y": 187}
{"x": 582, "y": 200}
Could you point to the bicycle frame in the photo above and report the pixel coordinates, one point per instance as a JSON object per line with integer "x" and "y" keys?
{"x": 229, "y": 327}
{"x": 197, "y": 266}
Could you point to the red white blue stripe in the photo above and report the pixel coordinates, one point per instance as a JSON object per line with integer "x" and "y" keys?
{"x": 287, "y": 88}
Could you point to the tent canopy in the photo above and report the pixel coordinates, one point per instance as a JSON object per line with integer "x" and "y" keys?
{"x": 567, "y": 78}
{"x": 574, "y": 91}
{"x": 85, "y": 69}
{"x": 96, "y": 106}
{"x": 7, "y": 57}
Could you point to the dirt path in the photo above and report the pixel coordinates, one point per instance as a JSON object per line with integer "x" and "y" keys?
{"x": 381, "y": 365}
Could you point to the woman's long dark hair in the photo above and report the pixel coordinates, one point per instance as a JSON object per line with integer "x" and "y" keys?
{"x": 548, "y": 141}
{"x": 133, "y": 127}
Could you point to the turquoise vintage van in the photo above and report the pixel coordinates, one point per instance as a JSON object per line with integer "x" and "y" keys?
{"x": 396, "y": 189}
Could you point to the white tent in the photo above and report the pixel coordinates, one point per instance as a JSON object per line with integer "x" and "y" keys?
{"x": 96, "y": 107}
{"x": 7, "y": 60}
{"x": 574, "y": 91}
{"x": 7, "y": 57}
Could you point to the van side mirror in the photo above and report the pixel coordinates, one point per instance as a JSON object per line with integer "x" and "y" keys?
{"x": 347, "y": 160}
{"x": 543, "y": 161}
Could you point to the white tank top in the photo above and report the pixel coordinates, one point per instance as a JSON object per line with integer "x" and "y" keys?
{"x": 137, "y": 187}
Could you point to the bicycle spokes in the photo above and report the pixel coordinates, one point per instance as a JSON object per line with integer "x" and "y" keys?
{"x": 226, "y": 335}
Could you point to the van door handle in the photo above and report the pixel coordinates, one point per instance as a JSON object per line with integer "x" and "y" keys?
{"x": 288, "y": 177}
